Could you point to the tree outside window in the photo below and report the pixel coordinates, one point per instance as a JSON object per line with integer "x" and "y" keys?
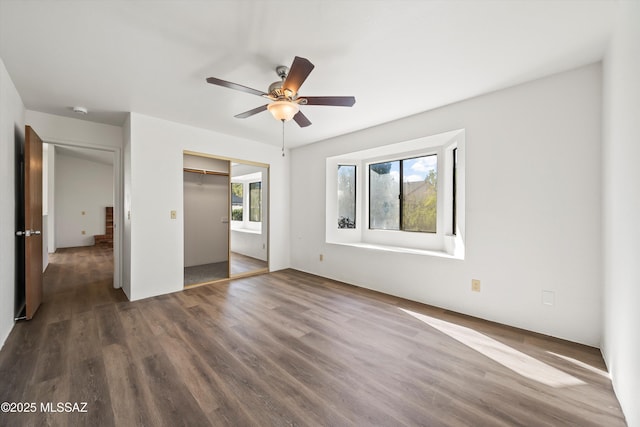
{"x": 255, "y": 201}
{"x": 346, "y": 196}
{"x": 403, "y": 194}
{"x": 237, "y": 190}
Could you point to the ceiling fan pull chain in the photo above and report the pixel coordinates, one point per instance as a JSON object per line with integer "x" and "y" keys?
{"x": 282, "y": 138}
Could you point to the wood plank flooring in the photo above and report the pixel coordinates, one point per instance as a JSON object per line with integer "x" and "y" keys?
{"x": 241, "y": 265}
{"x": 285, "y": 348}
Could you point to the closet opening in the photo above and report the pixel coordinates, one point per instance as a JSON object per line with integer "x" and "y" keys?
{"x": 226, "y": 218}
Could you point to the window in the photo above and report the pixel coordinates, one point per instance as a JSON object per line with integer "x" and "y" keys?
{"x": 346, "y": 196}
{"x": 454, "y": 178}
{"x": 236, "y": 201}
{"x": 384, "y": 196}
{"x": 407, "y": 196}
{"x": 255, "y": 201}
{"x": 247, "y": 211}
{"x": 410, "y": 206}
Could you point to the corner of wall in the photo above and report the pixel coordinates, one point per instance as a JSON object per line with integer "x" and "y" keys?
{"x": 126, "y": 221}
{"x": 620, "y": 209}
{"x": 12, "y": 121}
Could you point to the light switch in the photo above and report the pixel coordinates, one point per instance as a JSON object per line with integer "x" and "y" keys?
{"x": 174, "y": 214}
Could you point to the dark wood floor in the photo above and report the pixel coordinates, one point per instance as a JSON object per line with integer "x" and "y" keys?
{"x": 285, "y": 348}
{"x": 243, "y": 264}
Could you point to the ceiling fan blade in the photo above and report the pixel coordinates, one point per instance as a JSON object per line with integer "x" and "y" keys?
{"x": 224, "y": 83}
{"x": 337, "y": 101}
{"x": 251, "y": 112}
{"x": 298, "y": 73}
{"x": 301, "y": 120}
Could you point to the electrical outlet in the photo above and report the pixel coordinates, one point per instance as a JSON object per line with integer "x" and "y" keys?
{"x": 173, "y": 214}
{"x": 548, "y": 298}
{"x": 475, "y": 285}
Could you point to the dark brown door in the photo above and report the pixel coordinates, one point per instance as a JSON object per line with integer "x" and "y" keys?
{"x": 33, "y": 220}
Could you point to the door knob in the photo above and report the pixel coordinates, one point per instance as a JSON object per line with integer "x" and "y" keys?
{"x": 28, "y": 233}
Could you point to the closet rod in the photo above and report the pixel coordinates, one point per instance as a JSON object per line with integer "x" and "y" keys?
{"x": 205, "y": 172}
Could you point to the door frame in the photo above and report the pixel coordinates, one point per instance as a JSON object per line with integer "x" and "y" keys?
{"x": 268, "y": 204}
{"x": 118, "y": 198}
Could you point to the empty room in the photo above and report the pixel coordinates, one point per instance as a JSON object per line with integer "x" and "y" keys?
{"x": 319, "y": 213}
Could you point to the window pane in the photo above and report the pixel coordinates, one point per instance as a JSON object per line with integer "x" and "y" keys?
{"x": 419, "y": 193}
{"x": 384, "y": 193}
{"x": 346, "y": 196}
{"x": 255, "y": 196}
{"x": 236, "y": 201}
{"x": 454, "y": 225}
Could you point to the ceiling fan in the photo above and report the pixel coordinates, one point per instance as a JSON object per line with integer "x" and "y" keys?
{"x": 286, "y": 102}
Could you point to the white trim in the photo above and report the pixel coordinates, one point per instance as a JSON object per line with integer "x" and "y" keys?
{"x": 399, "y": 249}
{"x": 441, "y": 243}
{"x": 245, "y": 230}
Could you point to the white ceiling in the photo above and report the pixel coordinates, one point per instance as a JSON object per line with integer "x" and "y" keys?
{"x": 397, "y": 57}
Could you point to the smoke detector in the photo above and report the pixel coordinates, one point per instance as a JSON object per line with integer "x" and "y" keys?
{"x": 80, "y": 110}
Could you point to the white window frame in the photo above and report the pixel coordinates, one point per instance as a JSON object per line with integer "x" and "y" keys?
{"x": 444, "y": 242}
{"x": 245, "y": 224}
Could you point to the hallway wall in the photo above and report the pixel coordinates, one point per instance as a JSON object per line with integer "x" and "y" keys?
{"x": 82, "y": 191}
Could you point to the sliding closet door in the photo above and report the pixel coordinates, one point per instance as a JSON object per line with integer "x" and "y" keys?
{"x": 206, "y": 226}
{"x": 249, "y": 219}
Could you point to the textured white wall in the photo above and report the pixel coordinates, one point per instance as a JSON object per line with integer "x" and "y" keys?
{"x": 621, "y": 231}
{"x": 533, "y": 203}
{"x": 45, "y": 206}
{"x": 126, "y": 207}
{"x": 249, "y": 244}
{"x": 81, "y": 186}
{"x": 52, "y": 128}
{"x": 49, "y": 190}
{"x": 11, "y": 126}
{"x": 156, "y": 188}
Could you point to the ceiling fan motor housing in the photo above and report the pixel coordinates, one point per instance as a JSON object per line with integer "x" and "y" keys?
{"x": 275, "y": 88}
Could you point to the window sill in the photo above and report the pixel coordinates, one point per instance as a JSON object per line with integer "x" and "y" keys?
{"x": 398, "y": 249}
{"x": 246, "y": 230}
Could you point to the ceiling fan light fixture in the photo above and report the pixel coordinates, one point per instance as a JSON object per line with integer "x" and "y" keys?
{"x": 283, "y": 110}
